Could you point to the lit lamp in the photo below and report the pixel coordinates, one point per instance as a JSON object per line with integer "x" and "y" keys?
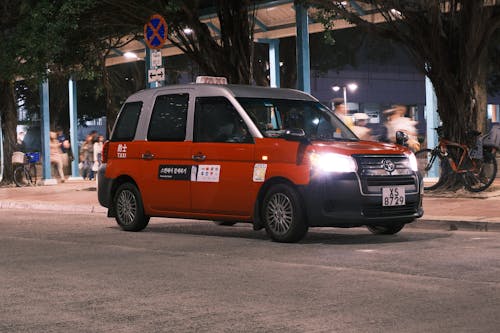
{"x": 351, "y": 86}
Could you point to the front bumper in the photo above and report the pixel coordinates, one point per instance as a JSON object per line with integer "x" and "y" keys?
{"x": 103, "y": 187}
{"x": 347, "y": 200}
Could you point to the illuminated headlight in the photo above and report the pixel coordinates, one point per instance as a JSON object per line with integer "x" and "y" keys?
{"x": 330, "y": 162}
{"x": 413, "y": 162}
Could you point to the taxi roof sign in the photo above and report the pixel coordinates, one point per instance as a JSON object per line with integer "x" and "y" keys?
{"x": 211, "y": 79}
{"x": 155, "y": 32}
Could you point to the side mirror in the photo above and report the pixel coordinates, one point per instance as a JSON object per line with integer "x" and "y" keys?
{"x": 401, "y": 138}
{"x": 295, "y": 134}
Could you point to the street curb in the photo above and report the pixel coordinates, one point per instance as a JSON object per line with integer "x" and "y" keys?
{"x": 44, "y": 206}
{"x": 458, "y": 225}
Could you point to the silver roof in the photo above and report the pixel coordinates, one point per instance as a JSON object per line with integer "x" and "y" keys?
{"x": 233, "y": 89}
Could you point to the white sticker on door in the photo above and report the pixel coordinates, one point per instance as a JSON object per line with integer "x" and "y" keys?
{"x": 208, "y": 173}
{"x": 259, "y": 172}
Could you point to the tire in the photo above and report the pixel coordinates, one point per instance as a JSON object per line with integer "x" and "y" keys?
{"x": 129, "y": 208}
{"x": 480, "y": 179}
{"x": 20, "y": 176}
{"x": 385, "y": 230}
{"x": 283, "y": 215}
{"x": 430, "y": 163}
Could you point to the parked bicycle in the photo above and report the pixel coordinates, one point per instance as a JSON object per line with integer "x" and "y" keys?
{"x": 476, "y": 165}
{"x": 25, "y": 171}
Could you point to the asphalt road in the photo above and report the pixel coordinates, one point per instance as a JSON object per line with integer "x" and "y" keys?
{"x": 80, "y": 273}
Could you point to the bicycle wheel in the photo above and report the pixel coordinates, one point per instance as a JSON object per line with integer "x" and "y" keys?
{"x": 21, "y": 177}
{"x": 430, "y": 167}
{"x": 483, "y": 175}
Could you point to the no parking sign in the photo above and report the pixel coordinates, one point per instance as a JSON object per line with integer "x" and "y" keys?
{"x": 155, "y": 32}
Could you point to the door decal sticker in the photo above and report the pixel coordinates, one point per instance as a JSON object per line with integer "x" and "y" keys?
{"x": 174, "y": 172}
{"x": 208, "y": 173}
{"x": 259, "y": 172}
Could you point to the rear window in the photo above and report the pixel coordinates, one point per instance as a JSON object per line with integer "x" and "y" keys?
{"x": 168, "y": 120}
{"x": 126, "y": 124}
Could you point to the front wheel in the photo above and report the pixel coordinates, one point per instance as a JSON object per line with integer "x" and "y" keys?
{"x": 283, "y": 215}
{"x": 483, "y": 174}
{"x": 21, "y": 177}
{"x": 385, "y": 230}
{"x": 129, "y": 208}
{"x": 430, "y": 166}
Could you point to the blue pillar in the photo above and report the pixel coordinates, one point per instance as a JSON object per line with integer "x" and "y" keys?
{"x": 431, "y": 115}
{"x": 274, "y": 62}
{"x": 45, "y": 132}
{"x": 73, "y": 128}
{"x": 303, "y": 63}
{"x": 432, "y": 120}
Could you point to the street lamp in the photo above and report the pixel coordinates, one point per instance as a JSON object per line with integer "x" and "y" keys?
{"x": 351, "y": 86}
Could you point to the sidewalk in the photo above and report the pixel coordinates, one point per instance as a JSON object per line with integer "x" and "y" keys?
{"x": 462, "y": 210}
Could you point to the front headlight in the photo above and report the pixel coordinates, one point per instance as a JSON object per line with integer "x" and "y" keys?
{"x": 331, "y": 162}
{"x": 413, "y": 162}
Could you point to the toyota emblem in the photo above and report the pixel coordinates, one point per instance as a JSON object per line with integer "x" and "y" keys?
{"x": 388, "y": 165}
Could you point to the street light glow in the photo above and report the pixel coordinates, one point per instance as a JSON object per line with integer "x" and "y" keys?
{"x": 130, "y": 55}
{"x": 335, "y": 88}
{"x": 352, "y": 86}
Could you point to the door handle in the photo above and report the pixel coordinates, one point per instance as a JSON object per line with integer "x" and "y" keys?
{"x": 199, "y": 157}
{"x": 147, "y": 156}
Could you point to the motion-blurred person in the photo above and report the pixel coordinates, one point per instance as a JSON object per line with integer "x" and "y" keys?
{"x": 396, "y": 121}
{"x": 341, "y": 112}
{"x": 359, "y": 128}
{"x": 55, "y": 155}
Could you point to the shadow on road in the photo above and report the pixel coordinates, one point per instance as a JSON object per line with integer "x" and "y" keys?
{"x": 333, "y": 236}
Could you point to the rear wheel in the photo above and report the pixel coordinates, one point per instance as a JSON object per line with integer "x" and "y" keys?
{"x": 20, "y": 176}
{"x": 283, "y": 215}
{"x": 385, "y": 230}
{"x": 129, "y": 208}
{"x": 483, "y": 175}
{"x": 430, "y": 166}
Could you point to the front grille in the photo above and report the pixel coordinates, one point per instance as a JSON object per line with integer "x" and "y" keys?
{"x": 390, "y": 180}
{"x": 374, "y": 176}
{"x": 381, "y": 211}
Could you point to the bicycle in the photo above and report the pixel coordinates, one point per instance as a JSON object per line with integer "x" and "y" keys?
{"x": 25, "y": 171}
{"x": 477, "y": 165}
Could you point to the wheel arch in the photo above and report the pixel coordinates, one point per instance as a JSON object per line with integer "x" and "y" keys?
{"x": 114, "y": 187}
{"x": 257, "y": 216}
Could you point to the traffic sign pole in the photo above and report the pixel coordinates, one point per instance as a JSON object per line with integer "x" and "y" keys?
{"x": 155, "y": 36}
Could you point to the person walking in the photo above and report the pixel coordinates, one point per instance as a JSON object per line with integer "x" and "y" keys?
{"x": 341, "y": 111}
{"x": 55, "y": 155}
{"x": 360, "y": 128}
{"x": 87, "y": 158}
{"x": 396, "y": 121}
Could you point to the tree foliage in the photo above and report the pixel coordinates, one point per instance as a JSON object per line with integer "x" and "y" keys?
{"x": 448, "y": 41}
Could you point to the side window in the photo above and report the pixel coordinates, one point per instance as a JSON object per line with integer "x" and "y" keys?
{"x": 127, "y": 122}
{"x": 216, "y": 120}
{"x": 168, "y": 120}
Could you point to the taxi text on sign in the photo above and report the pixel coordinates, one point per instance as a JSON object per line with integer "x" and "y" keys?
{"x": 155, "y": 32}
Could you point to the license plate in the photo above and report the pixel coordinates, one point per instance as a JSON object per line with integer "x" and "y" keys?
{"x": 393, "y": 196}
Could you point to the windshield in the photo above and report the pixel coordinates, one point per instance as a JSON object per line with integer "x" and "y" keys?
{"x": 274, "y": 116}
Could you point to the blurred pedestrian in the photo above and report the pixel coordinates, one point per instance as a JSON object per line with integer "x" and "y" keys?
{"x": 396, "y": 121}
{"x": 87, "y": 158}
{"x": 360, "y": 128}
{"x": 341, "y": 111}
{"x": 65, "y": 148}
{"x": 55, "y": 155}
{"x": 98, "y": 153}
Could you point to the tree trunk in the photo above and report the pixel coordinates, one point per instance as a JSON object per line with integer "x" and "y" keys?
{"x": 8, "y": 112}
